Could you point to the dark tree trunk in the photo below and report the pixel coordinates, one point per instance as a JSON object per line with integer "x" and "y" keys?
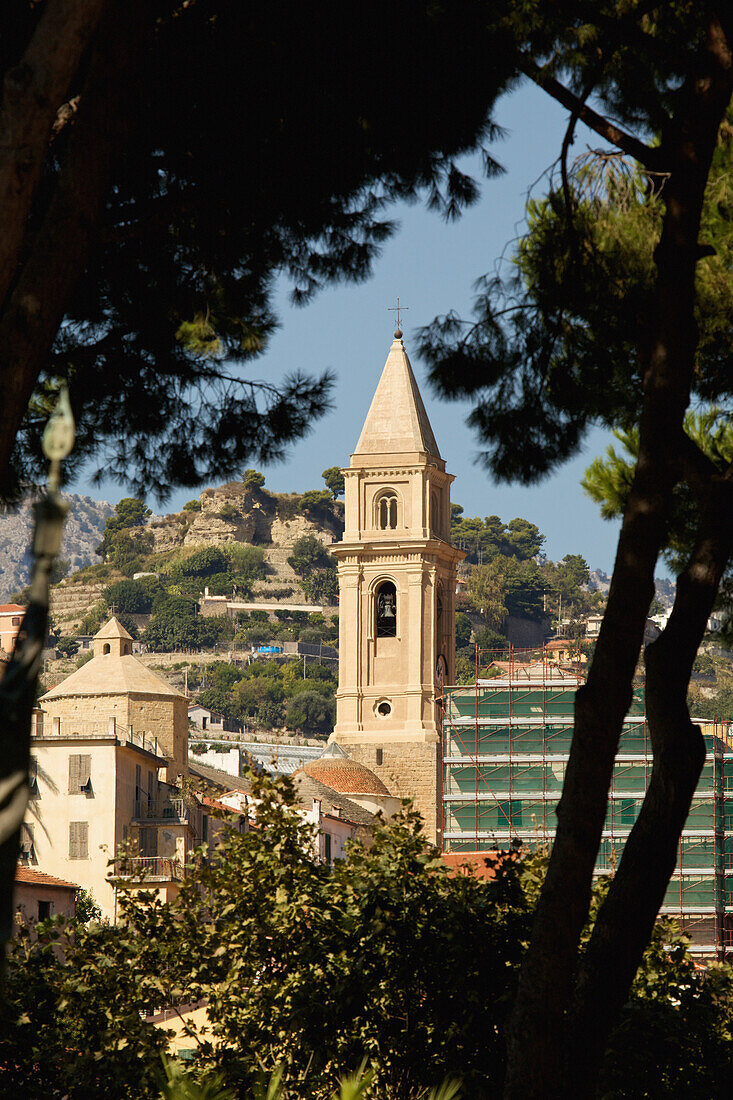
{"x": 545, "y": 1057}
{"x": 51, "y": 262}
{"x": 624, "y": 923}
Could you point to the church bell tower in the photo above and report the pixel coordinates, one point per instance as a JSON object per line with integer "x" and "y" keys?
{"x": 397, "y": 583}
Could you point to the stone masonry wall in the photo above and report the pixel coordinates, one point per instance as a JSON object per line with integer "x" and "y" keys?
{"x": 408, "y": 770}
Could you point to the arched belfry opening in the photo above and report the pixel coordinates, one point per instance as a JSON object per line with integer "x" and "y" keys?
{"x": 386, "y": 610}
{"x": 387, "y": 506}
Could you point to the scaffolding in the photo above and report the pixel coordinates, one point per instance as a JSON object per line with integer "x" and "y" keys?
{"x": 506, "y": 741}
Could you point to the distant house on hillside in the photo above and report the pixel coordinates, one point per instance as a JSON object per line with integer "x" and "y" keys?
{"x": 209, "y": 721}
{"x": 11, "y": 616}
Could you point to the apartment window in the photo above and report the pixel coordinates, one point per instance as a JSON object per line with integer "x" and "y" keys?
{"x": 16, "y": 620}
{"x": 44, "y": 910}
{"x": 27, "y": 849}
{"x": 78, "y": 840}
{"x": 33, "y": 777}
{"x": 148, "y": 842}
{"x": 80, "y": 770}
{"x": 327, "y": 847}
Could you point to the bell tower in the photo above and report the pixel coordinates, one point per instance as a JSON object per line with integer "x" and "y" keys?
{"x": 397, "y": 582}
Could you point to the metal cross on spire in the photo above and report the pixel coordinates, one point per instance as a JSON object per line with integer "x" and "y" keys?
{"x": 398, "y": 309}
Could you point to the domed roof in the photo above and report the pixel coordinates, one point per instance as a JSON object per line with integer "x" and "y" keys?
{"x": 335, "y": 769}
{"x": 112, "y": 670}
{"x": 112, "y": 675}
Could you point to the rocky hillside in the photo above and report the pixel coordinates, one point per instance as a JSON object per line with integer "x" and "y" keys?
{"x": 82, "y": 534}
{"x": 229, "y": 514}
{"x": 235, "y": 513}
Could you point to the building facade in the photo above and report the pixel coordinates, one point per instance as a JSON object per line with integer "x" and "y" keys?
{"x": 506, "y": 745}
{"x": 397, "y": 581}
{"x": 109, "y": 746}
{"x": 116, "y": 684}
{"x": 11, "y": 616}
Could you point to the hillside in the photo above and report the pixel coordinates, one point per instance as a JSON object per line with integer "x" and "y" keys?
{"x": 82, "y": 534}
{"x": 232, "y": 517}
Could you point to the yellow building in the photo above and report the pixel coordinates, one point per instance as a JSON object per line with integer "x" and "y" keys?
{"x": 115, "y": 684}
{"x": 397, "y": 581}
{"x": 104, "y": 743}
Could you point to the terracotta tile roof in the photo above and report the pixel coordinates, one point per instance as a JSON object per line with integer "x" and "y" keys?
{"x": 482, "y": 864}
{"x": 215, "y": 804}
{"x": 309, "y": 788}
{"x": 344, "y": 775}
{"x": 39, "y": 878}
{"x": 9, "y": 608}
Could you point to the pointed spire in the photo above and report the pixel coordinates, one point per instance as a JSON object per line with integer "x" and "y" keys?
{"x": 397, "y": 422}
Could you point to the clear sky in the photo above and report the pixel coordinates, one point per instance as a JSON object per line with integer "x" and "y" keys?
{"x": 432, "y": 266}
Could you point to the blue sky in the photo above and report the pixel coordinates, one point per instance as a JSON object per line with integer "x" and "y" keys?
{"x": 432, "y": 266}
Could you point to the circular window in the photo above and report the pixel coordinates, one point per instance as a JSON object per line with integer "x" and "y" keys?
{"x": 384, "y": 709}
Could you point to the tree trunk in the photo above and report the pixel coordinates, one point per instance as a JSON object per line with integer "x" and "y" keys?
{"x": 539, "y": 1061}
{"x": 626, "y": 918}
{"x": 54, "y": 259}
{"x": 33, "y": 92}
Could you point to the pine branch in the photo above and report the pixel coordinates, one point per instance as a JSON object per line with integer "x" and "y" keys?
{"x": 648, "y": 156}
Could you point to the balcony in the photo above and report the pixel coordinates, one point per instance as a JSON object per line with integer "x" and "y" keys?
{"x": 146, "y": 869}
{"x": 163, "y": 809}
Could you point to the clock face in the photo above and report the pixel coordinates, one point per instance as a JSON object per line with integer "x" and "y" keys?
{"x": 441, "y": 671}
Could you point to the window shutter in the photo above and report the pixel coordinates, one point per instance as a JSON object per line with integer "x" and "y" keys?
{"x": 80, "y": 769}
{"x": 78, "y": 839}
{"x": 33, "y": 777}
{"x": 149, "y": 842}
{"x": 27, "y": 852}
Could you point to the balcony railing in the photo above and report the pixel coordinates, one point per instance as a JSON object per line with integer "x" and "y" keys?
{"x": 164, "y": 809}
{"x": 149, "y": 868}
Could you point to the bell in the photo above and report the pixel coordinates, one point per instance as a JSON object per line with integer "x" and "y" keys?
{"x": 388, "y": 611}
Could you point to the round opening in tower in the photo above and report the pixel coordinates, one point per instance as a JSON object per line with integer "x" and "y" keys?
{"x": 384, "y": 709}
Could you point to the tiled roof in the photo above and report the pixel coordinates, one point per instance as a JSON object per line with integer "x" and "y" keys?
{"x": 344, "y": 775}
{"x": 223, "y": 781}
{"x": 111, "y": 675}
{"x": 31, "y": 877}
{"x": 481, "y": 864}
{"x": 308, "y": 788}
{"x": 10, "y": 608}
{"x": 215, "y": 804}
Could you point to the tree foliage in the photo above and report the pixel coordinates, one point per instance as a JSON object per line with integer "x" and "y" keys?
{"x": 485, "y": 539}
{"x": 311, "y": 712}
{"x": 316, "y": 569}
{"x": 546, "y": 355}
{"x": 608, "y": 481}
{"x": 309, "y": 971}
{"x": 334, "y": 481}
{"x": 166, "y": 275}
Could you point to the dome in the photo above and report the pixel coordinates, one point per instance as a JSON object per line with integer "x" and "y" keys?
{"x": 335, "y": 769}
